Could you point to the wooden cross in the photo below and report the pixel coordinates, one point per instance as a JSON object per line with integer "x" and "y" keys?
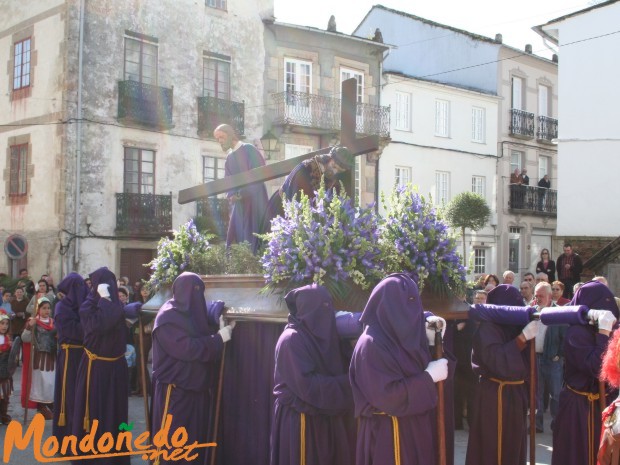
{"x": 276, "y": 170}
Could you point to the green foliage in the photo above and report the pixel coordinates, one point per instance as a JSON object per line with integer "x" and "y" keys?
{"x": 238, "y": 260}
{"x": 189, "y": 250}
{"x": 468, "y": 210}
{"x": 207, "y": 226}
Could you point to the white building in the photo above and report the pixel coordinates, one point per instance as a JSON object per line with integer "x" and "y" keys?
{"x": 589, "y": 138}
{"x": 523, "y": 88}
{"x": 444, "y": 141}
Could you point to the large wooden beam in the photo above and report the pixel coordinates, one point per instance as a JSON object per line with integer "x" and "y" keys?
{"x": 268, "y": 172}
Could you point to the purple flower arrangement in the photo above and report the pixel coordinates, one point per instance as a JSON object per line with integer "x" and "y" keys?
{"x": 325, "y": 240}
{"x": 415, "y": 238}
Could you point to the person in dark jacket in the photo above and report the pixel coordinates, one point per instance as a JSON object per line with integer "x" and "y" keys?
{"x": 546, "y": 265}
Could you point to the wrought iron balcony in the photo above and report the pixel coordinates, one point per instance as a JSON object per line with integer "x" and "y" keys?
{"x": 533, "y": 200}
{"x": 323, "y": 113}
{"x": 215, "y": 213}
{"x": 547, "y": 129}
{"x": 143, "y": 214}
{"x": 144, "y": 104}
{"x": 521, "y": 123}
{"x": 214, "y": 111}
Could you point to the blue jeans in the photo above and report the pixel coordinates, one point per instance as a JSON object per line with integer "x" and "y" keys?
{"x": 550, "y": 374}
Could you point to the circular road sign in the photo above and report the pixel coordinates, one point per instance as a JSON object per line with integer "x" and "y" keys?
{"x": 16, "y": 246}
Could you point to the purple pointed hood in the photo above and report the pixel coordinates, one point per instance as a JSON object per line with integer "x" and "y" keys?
{"x": 187, "y": 304}
{"x": 394, "y": 315}
{"x": 597, "y": 296}
{"x": 75, "y": 290}
{"x": 312, "y": 314}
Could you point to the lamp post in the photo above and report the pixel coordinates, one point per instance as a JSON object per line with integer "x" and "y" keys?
{"x": 270, "y": 144}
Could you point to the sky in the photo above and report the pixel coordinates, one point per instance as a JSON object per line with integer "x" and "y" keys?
{"x": 513, "y": 19}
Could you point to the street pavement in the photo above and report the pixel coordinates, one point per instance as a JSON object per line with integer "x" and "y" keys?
{"x": 136, "y": 415}
{"x": 26, "y": 457}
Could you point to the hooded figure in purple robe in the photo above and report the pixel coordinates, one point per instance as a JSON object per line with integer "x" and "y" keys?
{"x": 70, "y": 350}
{"x": 577, "y": 426}
{"x": 102, "y": 379}
{"x": 393, "y": 388}
{"x": 498, "y": 435}
{"x": 186, "y": 348}
{"x": 313, "y": 402}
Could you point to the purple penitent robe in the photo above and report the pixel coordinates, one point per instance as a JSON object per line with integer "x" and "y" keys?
{"x": 105, "y": 335}
{"x": 392, "y": 391}
{"x": 313, "y": 401}
{"x": 70, "y": 340}
{"x": 497, "y": 357}
{"x": 246, "y": 213}
{"x": 577, "y": 426}
{"x": 186, "y": 349}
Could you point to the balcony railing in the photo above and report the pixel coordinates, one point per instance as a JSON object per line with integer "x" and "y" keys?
{"x": 521, "y": 123}
{"x": 323, "y": 113}
{"x": 214, "y": 111}
{"x": 144, "y": 104}
{"x": 533, "y": 200}
{"x": 214, "y": 212}
{"x": 547, "y": 129}
{"x": 144, "y": 214}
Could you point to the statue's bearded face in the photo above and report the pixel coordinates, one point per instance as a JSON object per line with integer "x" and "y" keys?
{"x": 224, "y": 140}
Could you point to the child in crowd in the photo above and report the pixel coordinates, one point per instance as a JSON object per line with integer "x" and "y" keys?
{"x": 40, "y": 348}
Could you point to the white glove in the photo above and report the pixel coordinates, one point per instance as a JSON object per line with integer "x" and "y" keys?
{"x": 435, "y": 321}
{"x": 605, "y": 319}
{"x": 438, "y": 369}
{"x": 531, "y": 330}
{"x": 103, "y": 290}
{"x": 225, "y": 330}
{"x": 226, "y": 333}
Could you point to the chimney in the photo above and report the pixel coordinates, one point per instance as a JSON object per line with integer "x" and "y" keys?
{"x": 528, "y": 48}
{"x": 554, "y": 58}
{"x": 498, "y": 38}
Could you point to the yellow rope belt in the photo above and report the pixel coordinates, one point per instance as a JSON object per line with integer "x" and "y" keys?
{"x": 302, "y": 448}
{"x": 502, "y": 383}
{"x": 91, "y": 357}
{"x": 591, "y": 398}
{"x": 62, "y": 417}
{"x": 396, "y": 436}
{"x": 163, "y": 419}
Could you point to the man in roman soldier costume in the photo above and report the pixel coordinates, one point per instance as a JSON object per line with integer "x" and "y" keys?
{"x": 6, "y": 378}
{"x": 39, "y": 339}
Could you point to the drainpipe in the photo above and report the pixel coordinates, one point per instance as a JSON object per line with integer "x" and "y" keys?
{"x": 78, "y": 152}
